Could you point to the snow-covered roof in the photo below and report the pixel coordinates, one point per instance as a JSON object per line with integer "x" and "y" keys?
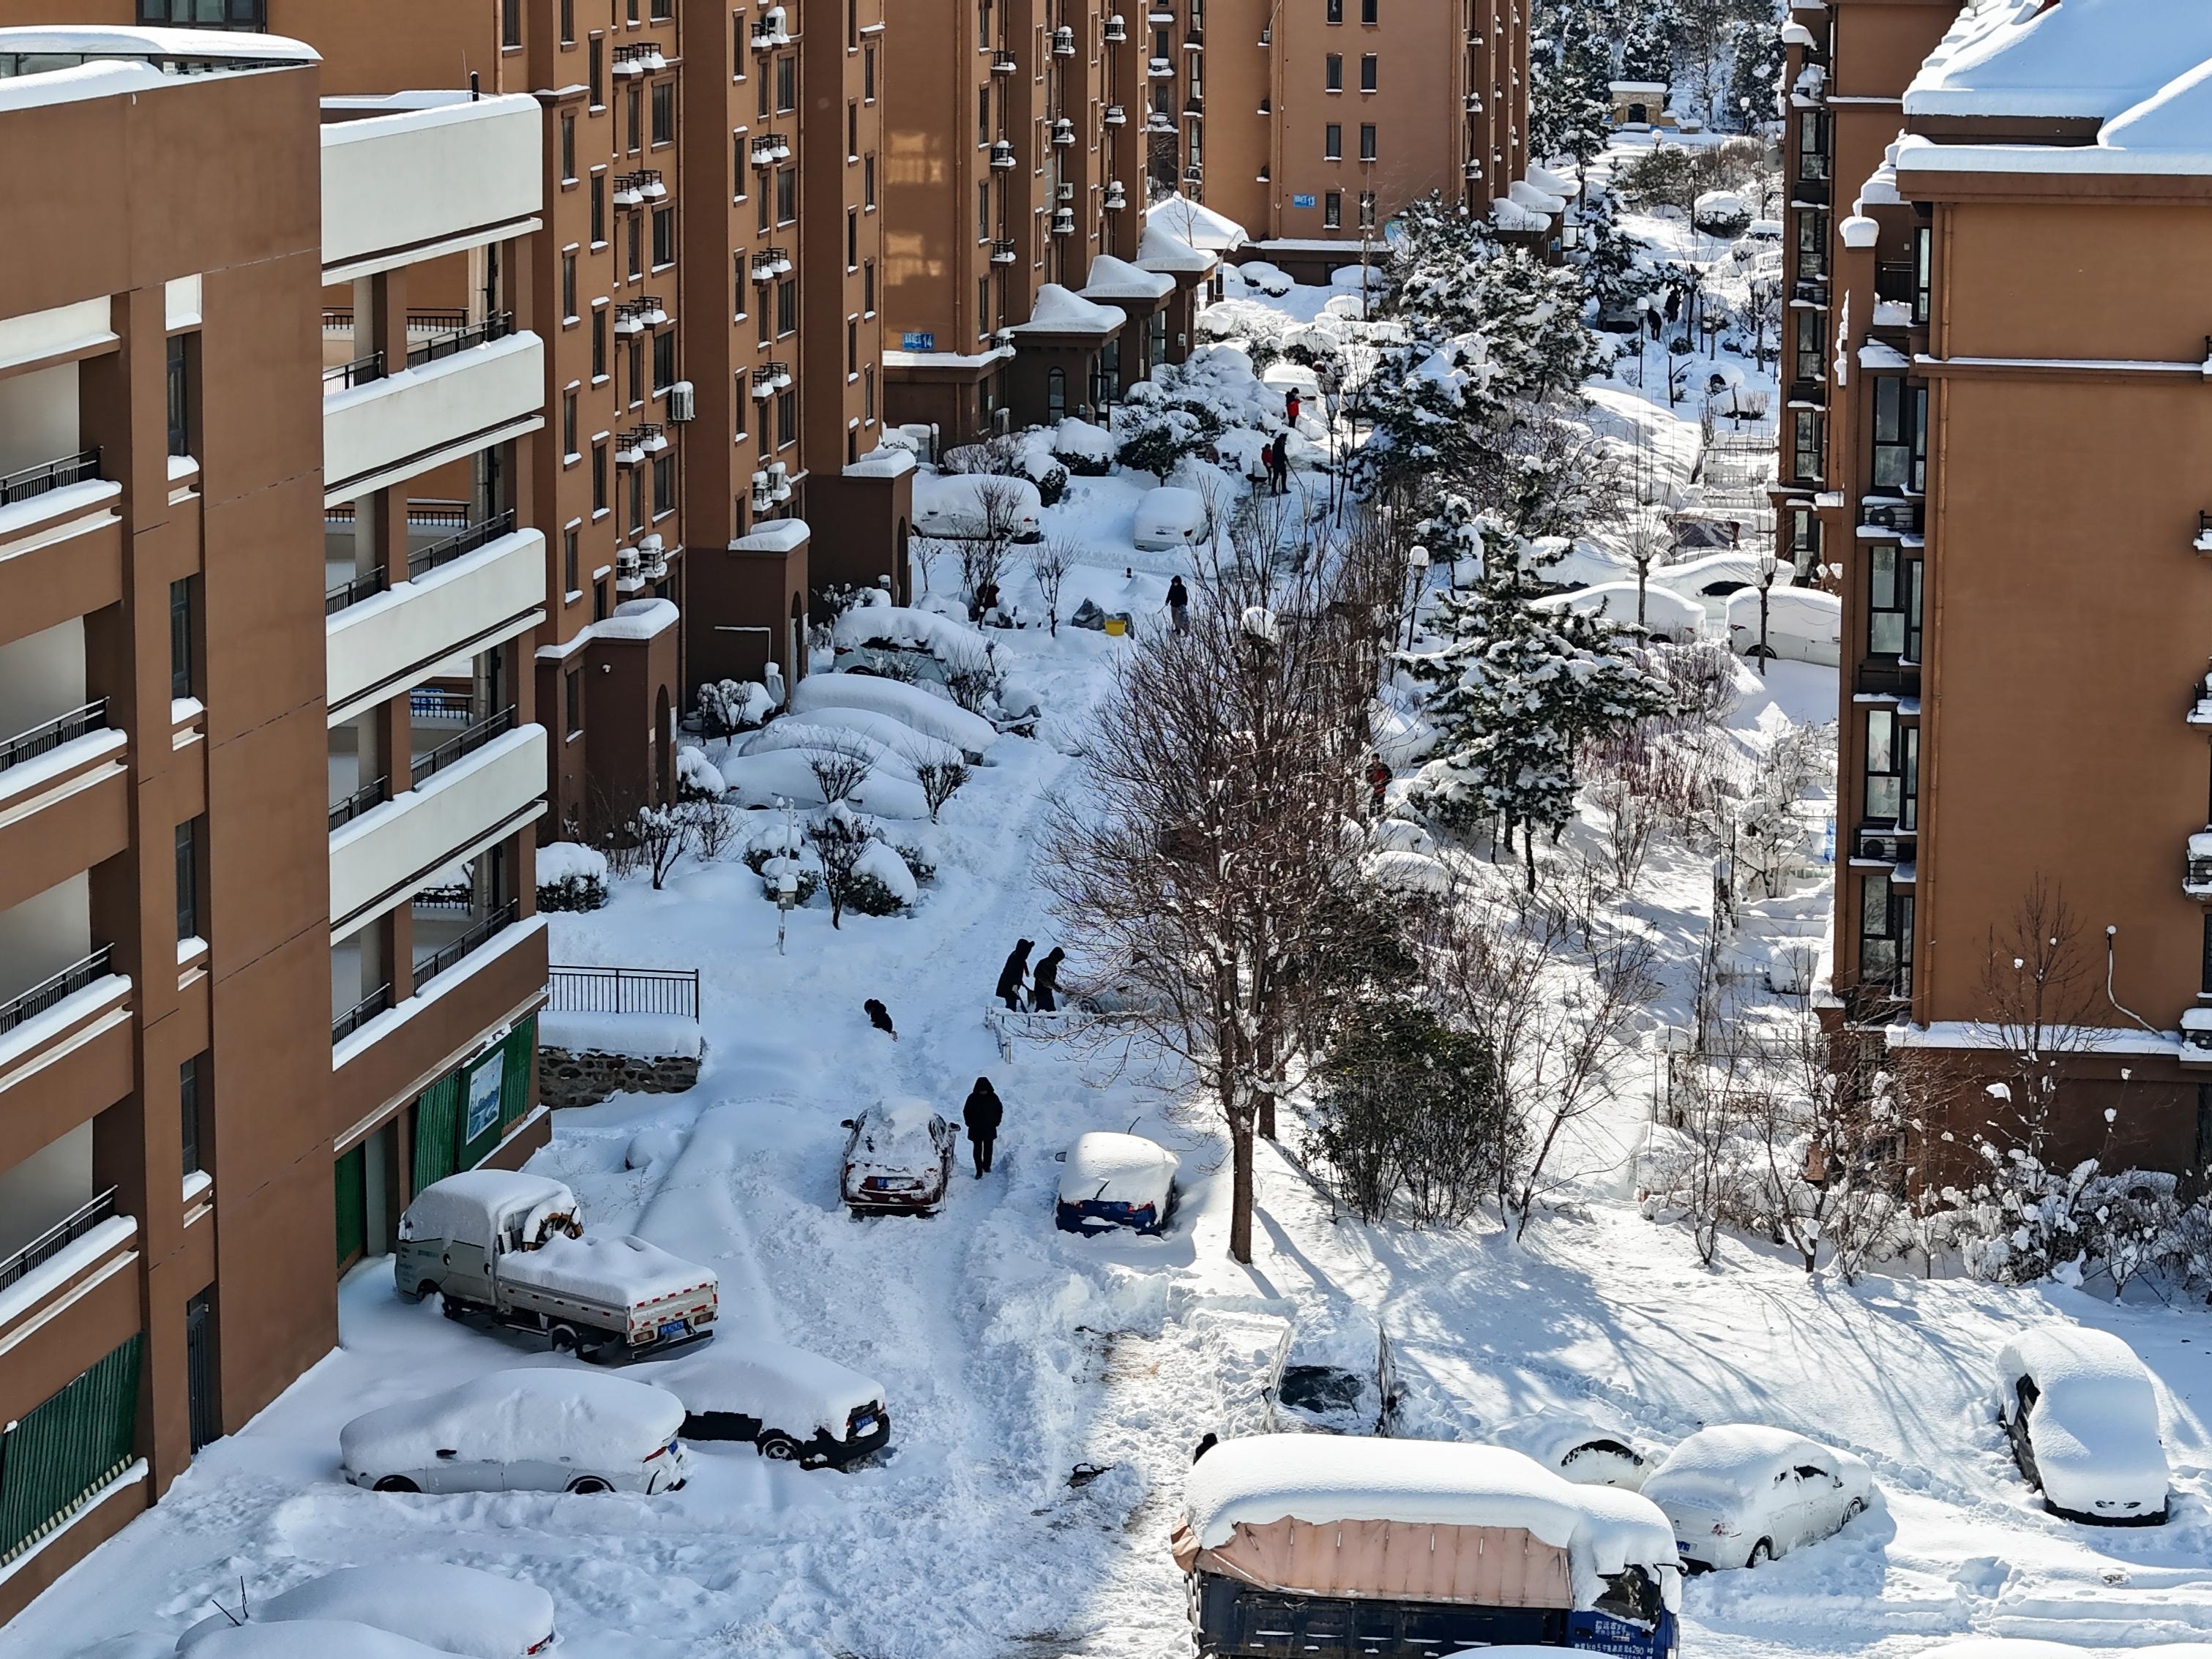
{"x": 1195, "y": 225}
{"x": 1117, "y": 279}
{"x": 1161, "y": 250}
{"x": 1062, "y": 311}
{"x": 637, "y": 619}
{"x": 458, "y": 1205}
{"x": 2079, "y": 59}
{"x": 884, "y": 461}
{"x": 96, "y": 40}
{"x": 773, "y": 536}
{"x": 75, "y": 84}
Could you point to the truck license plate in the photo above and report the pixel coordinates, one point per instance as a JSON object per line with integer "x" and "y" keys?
{"x": 866, "y": 1425}
{"x": 674, "y": 1328}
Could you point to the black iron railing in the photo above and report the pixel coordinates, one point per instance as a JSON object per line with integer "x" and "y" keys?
{"x": 29, "y": 1005}
{"x": 21, "y": 486}
{"x": 454, "y": 749}
{"x": 497, "y": 326}
{"x": 623, "y": 990}
{"x": 56, "y": 1238}
{"x": 337, "y": 599}
{"x": 46, "y": 739}
{"x": 632, "y": 440}
{"x": 1002, "y": 62}
{"x": 360, "y": 1013}
{"x": 637, "y": 181}
{"x": 337, "y": 317}
{"x": 474, "y": 940}
{"x": 360, "y": 372}
{"x": 433, "y": 705}
{"x": 1893, "y": 279}
{"x": 638, "y": 310}
{"x": 369, "y": 795}
{"x": 424, "y": 560}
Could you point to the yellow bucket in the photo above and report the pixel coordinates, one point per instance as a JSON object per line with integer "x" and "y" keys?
{"x": 1117, "y": 626}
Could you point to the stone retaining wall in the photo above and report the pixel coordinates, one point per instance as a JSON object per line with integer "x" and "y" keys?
{"x": 573, "y": 1078}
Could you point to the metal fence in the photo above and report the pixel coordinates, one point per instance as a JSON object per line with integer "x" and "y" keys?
{"x": 623, "y": 990}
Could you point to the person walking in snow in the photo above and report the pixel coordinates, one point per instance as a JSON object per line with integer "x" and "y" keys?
{"x": 1279, "y": 463}
{"x": 1178, "y": 604}
{"x": 1011, "y": 976}
{"x": 1044, "y": 984}
{"x": 1291, "y": 406}
{"x": 982, "y": 1114}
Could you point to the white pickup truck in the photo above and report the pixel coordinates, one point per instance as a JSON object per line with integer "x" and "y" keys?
{"x": 512, "y": 1248}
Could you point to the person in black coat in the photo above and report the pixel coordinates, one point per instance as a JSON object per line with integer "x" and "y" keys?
{"x": 982, "y": 1114}
{"x": 1178, "y": 603}
{"x": 1044, "y": 984}
{"x": 1011, "y": 976}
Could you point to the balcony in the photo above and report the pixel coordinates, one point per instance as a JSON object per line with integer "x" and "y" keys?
{"x": 32, "y": 481}
{"x": 78, "y": 1224}
{"x": 2197, "y": 875}
{"x": 770, "y": 378}
{"x": 1810, "y": 193}
{"x": 1159, "y": 69}
{"x": 1003, "y": 251}
{"x": 636, "y": 316}
{"x": 639, "y": 57}
{"x": 1114, "y": 116}
{"x": 1813, "y": 392}
{"x": 2204, "y": 542}
{"x": 1063, "y": 132}
{"x": 636, "y": 444}
{"x": 1810, "y": 291}
{"x": 635, "y": 188}
{"x": 459, "y": 393}
{"x": 463, "y": 594}
{"x": 480, "y": 788}
{"x": 1002, "y": 62}
{"x": 1890, "y": 514}
{"x": 1884, "y": 843}
{"x": 770, "y": 33}
{"x": 1116, "y": 30}
{"x": 770, "y": 263}
{"x": 1117, "y": 197}
{"x": 1063, "y": 222}
{"x": 48, "y": 736}
{"x": 408, "y": 181}
{"x": 769, "y": 148}
{"x": 63, "y": 794}
{"x": 2196, "y": 1037}
{"x": 1002, "y": 155}
{"x": 1063, "y": 42}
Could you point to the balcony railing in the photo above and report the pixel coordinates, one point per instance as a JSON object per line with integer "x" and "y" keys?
{"x": 1814, "y": 291}
{"x": 46, "y": 739}
{"x": 424, "y": 560}
{"x": 2197, "y": 875}
{"x": 474, "y": 940}
{"x": 29, "y": 1005}
{"x": 623, "y": 990}
{"x": 1894, "y": 280}
{"x": 361, "y": 799}
{"x": 633, "y": 315}
{"x": 56, "y": 1238}
{"x": 1002, "y": 62}
{"x": 455, "y": 748}
{"x": 632, "y": 440}
{"x": 1808, "y": 391}
{"x": 376, "y": 1002}
{"x": 48, "y": 476}
{"x": 346, "y": 595}
{"x": 497, "y": 326}
{"x": 646, "y": 181}
{"x": 431, "y": 704}
{"x": 360, "y": 372}
{"x": 1002, "y": 253}
{"x": 339, "y": 318}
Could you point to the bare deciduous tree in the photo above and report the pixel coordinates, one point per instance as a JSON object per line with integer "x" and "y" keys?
{"x": 940, "y": 779}
{"x": 1050, "y": 560}
{"x": 839, "y": 769}
{"x": 838, "y": 843}
{"x": 714, "y": 825}
{"x": 662, "y": 834}
{"x": 2041, "y": 992}
{"x": 971, "y": 678}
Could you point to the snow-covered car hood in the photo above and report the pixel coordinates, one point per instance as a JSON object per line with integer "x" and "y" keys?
{"x": 2094, "y": 1425}
{"x": 514, "y": 1416}
{"x": 1118, "y": 1168}
{"x": 614, "y": 1269}
{"x": 453, "y": 1609}
{"x": 786, "y": 1388}
{"x": 900, "y": 1138}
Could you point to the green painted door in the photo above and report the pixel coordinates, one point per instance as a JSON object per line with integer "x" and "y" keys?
{"x": 56, "y": 1459}
{"x": 352, "y": 1206}
{"x": 437, "y": 1131}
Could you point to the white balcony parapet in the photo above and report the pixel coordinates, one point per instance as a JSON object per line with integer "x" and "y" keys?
{"x": 412, "y": 176}
{"x": 373, "y": 1031}
{"x": 384, "y": 431}
{"x": 387, "y": 643}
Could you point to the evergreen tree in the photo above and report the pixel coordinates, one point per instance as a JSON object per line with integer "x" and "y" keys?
{"x": 1755, "y": 79}
{"x": 1570, "y": 65}
{"x": 1615, "y": 272}
{"x": 1647, "y": 48}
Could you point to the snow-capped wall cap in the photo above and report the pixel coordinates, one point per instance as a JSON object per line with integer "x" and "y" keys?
{"x": 1859, "y": 231}
{"x": 1117, "y": 279}
{"x": 76, "y": 84}
{"x": 1195, "y": 225}
{"x": 776, "y": 536}
{"x": 1509, "y": 215}
{"x": 637, "y": 619}
{"x": 1881, "y": 187}
{"x": 1060, "y": 311}
{"x": 2082, "y": 59}
{"x": 1551, "y": 182}
{"x": 1634, "y": 87}
{"x": 1161, "y": 250}
{"x": 91, "y": 41}
{"x": 1876, "y": 354}
{"x": 884, "y": 461}
{"x": 1535, "y": 199}
{"x": 1796, "y": 34}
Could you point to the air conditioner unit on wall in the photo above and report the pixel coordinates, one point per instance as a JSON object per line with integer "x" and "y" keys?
{"x": 682, "y": 404}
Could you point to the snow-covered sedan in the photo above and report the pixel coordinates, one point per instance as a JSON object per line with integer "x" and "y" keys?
{"x": 522, "y": 1431}
{"x": 1739, "y": 1494}
{"x": 898, "y": 1159}
{"x": 1170, "y": 517}
{"x": 1115, "y": 1183}
{"x": 977, "y": 506}
{"x": 312, "y": 1638}
{"x": 793, "y": 1406}
{"x": 1590, "y": 1451}
{"x": 2082, "y": 1417}
{"x": 453, "y": 1609}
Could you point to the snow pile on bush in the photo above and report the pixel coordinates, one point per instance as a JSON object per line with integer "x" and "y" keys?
{"x": 879, "y": 863}
{"x": 728, "y": 706}
{"x": 831, "y": 725}
{"x": 902, "y": 628}
{"x": 1085, "y": 450}
{"x": 650, "y": 1147}
{"x": 773, "y": 779}
{"x": 801, "y": 735}
{"x": 571, "y": 877}
{"x": 695, "y": 776}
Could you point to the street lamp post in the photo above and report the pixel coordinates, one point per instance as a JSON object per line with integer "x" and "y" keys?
{"x": 1769, "y": 567}
{"x": 1416, "y": 579}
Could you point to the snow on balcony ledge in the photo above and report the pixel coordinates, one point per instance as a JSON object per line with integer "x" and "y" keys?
{"x": 33, "y": 776}
{"x": 35, "y": 1287}
{"x": 68, "y": 501}
{"x": 34, "y": 1034}
{"x": 375, "y": 1030}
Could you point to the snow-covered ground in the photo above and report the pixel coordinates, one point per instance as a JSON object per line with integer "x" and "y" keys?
{"x": 1013, "y": 1354}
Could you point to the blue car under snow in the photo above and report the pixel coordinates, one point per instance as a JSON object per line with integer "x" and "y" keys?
{"x": 1115, "y": 1183}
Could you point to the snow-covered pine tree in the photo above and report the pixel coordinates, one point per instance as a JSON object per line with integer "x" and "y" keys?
{"x": 1616, "y": 273}
{"x": 1533, "y": 316}
{"x": 1428, "y": 406}
{"x": 1755, "y": 77}
{"x": 1570, "y": 63}
{"x": 1647, "y": 48}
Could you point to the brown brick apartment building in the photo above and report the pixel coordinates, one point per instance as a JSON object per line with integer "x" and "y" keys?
{"x": 180, "y": 474}
{"x": 1997, "y": 389}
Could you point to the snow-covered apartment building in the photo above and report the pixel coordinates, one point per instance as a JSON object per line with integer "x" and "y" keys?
{"x": 1998, "y": 403}
{"x": 236, "y": 1033}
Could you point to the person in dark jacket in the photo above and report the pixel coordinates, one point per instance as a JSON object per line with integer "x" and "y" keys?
{"x": 1014, "y": 973}
{"x": 880, "y": 1018}
{"x": 1178, "y": 604}
{"x": 1044, "y": 984}
{"x": 1279, "y": 463}
{"x": 982, "y": 1116}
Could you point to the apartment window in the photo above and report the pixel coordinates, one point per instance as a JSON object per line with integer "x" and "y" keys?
{"x": 189, "y": 1076}
{"x": 868, "y": 287}
{"x": 188, "y": 878}
{"x": 597, "y": 54}
{"x": 1893, "y": 770}
{"x": 1812, "y": 363}
{"x": 1367, "y": 11}
{"x": 786, "y": 305}
{"x": 663, "y": 236}
{"x": 851, "y": 349}
{"x": 851, "y": 130}
{"x": 567, "y": 22}
{"x": 1804, "y": 537}
{"x": 510, "y": 22}
{"x": 1893, "y": 604}
{"x": 568, "y": 287}
{"x": 786, "y": 195}
{"x": 787, "y": 418}
{"x": 1332, "y": 211}
{"x": 1924, "y": 284}
{"x": 572, "y": 704}
{"x": 569, "y": 426}
{"x": 868, "y": 73}
{"x": 1056, "y": 394}
{"x": 761, "y": 102}
{"x": 637, "y": 500}
{"x": 1805, "y": 444}
{"x": 637, "y": 356}
{"x": 852, "y": 238}
{"x": 868, "y": 393}
{"x": 1367, "y": 72}
{"x": 599, "y": 210}
{"x": 741, "y": 388}
{"x": 634, "y": 236}
{"x": 1336, "y": 11}
{"x": 983, "y": 23}
{"x": 1332, "y": 142}
{"x": 571, "y": 554}
{"x": 599, "y": 478}
{"x": 786, "y": 83}
{"x": 1901, "y": 441}
{"x": 181, "y": 395}
{"x": 982, "y": 306}
{"x": 767, "y": 207}
{"x": 181, "y": 607}
{"x": 1333, "y": 73}
{"x": 1885, "y": 933}
{"x": 661, "y": 11}
{"x": 1812, "y": 242}
{"x": 633, "y": 121}
{"x": 1812, "y": 144}
{"x": 664, "y": 111}
{"x": 868, "y": 180}
{"x": 663, "y": 484}
{"x": 599, "y": 343}
{"x": 1367, "y": 141}
{"x": 982, "y": 213}
{"x": 664, "y": 360}
{"x": 568, "y": 149}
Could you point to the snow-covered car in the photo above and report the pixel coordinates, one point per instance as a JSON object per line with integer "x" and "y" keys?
{"x": 1271, "y": 280}
{"x": 1741, "y": 1493}
{"x": 522, "y": 1430}
{"x": 977, "y": 506}
{"x": 1589, "y": 1451}
{"x": 898, "y": 1159}
{"x": 312, "y": 1638}
{"x": 1115, "y": 1182}
{"x": 1170, "y": 517}
{"x": 2081, "y": 1414}
{"x": 793, "y": 1406}
{"x": 452, "y": 1609}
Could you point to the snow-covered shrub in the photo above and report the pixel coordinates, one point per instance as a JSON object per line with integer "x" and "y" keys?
{"x": 1155, "y": 436}
{"x": 2027, "y": 1221}
{"x": 571, "y": 877}
{"x": 696, "y": 780}
{"x": 727, "y": 707}
{"x": 1085, "y": 450}
{"x": 1052, "y": 484}
{"x": 808, "y": 878}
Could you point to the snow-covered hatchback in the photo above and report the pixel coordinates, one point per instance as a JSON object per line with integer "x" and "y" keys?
{"x": 522, "y": 1430}
{"x": 1739, "y": 1494}
{"x": 898, "y": 1159}
{"x": 2081, "y": 1414}
{"x": 450, "y": 1608}
{"x": 1113, "y": 1182}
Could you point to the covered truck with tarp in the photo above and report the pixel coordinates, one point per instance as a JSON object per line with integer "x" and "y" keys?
{"x": 1340, "y": 1545}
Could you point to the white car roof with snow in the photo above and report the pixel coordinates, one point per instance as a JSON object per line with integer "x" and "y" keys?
{"x": 1170, "y": 502}
{"x": 312, "y": 1638}
{"x": 509, "y": 1415}
{"x": 452, "y": 1608}
{"x": 2063, "y": 1359}
{"x": 1128, "y": 1168}
{"x": 455, "y": 1206}
{"x": 1735, "y": 1456}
